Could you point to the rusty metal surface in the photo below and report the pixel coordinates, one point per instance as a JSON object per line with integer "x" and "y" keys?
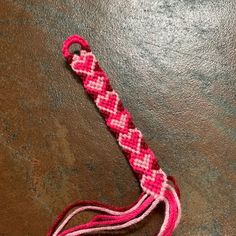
{"x": 173, "y": 64}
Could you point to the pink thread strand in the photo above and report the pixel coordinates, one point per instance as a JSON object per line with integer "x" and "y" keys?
{"x": 98, "y": 209}
{"x": 127, "y": 217}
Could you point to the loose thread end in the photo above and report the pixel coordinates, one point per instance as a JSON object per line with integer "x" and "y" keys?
{"x": 113, "y": 218}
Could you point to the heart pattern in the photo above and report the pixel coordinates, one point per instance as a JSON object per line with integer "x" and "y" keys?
{"x": 154, "y": 183}
{"x": 109, "y": 102}
{"x": 119, "y": 122}
{"x": 83, "y": 64}
{"x": 96, "y": 84}
{"x": 140, "y": 163}
{"x": 131, "y": 141}
{"x": 144, "y": 162}
{"x": 153, "y": 180}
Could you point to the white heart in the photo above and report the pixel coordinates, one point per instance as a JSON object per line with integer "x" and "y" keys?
{"x": 143, "y": 163}
{"x": 98, "y": 85}
{"x": 120, "y": 123}
{"x": 128, "y": 136}
{"x": 77, "y": 58}
{"x": 106, "y": 97}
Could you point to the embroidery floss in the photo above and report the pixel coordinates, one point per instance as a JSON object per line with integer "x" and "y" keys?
{"x": 153, "y": 180}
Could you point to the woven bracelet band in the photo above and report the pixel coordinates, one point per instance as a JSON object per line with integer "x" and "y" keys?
{"x": 154, "y": 182}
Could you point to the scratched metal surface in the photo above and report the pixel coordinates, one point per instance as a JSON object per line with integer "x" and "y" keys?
{"x": 173, "y": 64}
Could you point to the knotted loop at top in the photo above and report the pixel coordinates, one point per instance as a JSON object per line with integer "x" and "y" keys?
{"x": 74, "y": 39}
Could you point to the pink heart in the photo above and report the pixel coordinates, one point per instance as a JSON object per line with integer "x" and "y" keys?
{"x": 109, "y": 102}
{"x": 119, "y": 122}
{"x": 83, "y": 64}
{"x": 154, "y": 183}
{"x": 141, "y": 164}
{"x": 144, "y": 162}
{"x": 96, "y": 84}
{"x": 131, "y": 141}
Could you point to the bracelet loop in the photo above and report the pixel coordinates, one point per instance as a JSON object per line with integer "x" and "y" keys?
{"x": 74, "y": 39}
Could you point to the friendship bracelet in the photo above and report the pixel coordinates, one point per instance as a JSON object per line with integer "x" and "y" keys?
{"x": 155, "y": 184}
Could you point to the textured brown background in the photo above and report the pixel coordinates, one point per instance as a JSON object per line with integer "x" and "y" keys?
{"x": 174, "y": 65}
